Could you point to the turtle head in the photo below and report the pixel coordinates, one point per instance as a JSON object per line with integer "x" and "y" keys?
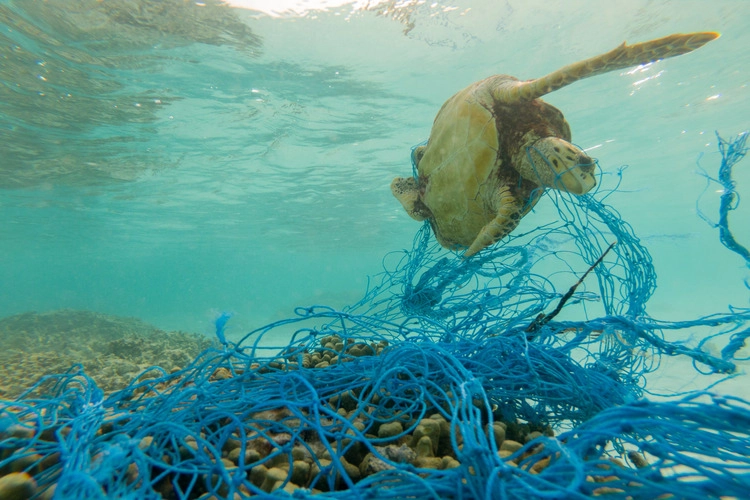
{"x": 556, "y": 163}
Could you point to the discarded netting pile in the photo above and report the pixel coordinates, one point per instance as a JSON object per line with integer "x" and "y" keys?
{"x": 452, "y": 378}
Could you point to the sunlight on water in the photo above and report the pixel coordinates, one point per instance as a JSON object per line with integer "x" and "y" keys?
{"x": 298, "y": 7}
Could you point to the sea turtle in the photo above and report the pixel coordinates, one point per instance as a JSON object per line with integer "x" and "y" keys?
{"x": 495, "y": 146}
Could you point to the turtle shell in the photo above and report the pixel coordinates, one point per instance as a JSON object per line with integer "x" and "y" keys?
{"x": 470, "y": 155}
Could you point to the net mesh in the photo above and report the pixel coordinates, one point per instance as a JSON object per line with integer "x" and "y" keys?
{"x": 451, "y": 378}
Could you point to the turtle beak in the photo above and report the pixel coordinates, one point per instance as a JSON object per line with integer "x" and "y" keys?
{"x": 561, "y": 165}
{"x": 579, "y": 179}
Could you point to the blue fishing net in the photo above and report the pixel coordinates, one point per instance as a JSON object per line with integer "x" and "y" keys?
{"x": 518, "y": 373}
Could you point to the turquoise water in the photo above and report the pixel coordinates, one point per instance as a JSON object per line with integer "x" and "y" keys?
{"x": 179, "y": 159}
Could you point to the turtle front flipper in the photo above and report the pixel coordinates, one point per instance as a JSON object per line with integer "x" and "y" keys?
{"x": 406, "y": 191}
{"x": 623, "y": 56}
{"x": 509, "y": 213}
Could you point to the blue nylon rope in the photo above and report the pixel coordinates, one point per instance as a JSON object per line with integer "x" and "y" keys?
{"x": 443, "y": 336}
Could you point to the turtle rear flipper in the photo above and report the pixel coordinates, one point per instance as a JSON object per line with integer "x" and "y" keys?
{"x": 624, "y": 56}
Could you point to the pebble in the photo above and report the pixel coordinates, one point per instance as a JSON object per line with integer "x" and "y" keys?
{"x": 606, "y": 490}
{"x": 498, "y": 430}
{"x": 258, "y": 474}
{"x": 346, "y": 400}
{"x": 429, "y": 462}
{"x": 300, "y": 472}
{"x": 251, "y": 456}
{"x": 17, "y": 486}
{"x": 132, "y": 473}
{"x": 400, "y": 454}
{"x": 351, "y": 470}
{"x": 360, "y": 350}
{"x": 315, "y": 470}
{"x": 444, "y": 445}
{"x": 511, "y": 446}
{"x": 272, "y": 476}
{"x": 49, "y": 493}
{"x": 424, "y": 447}
{"x": 231, "y": 444}
{"x": 301, "y": 453}
{"x": 145, "y": 442}
{"x": 390, "y": 429}
{"x": 429, "y": 428}
{"x": 372, "y": 465}
{"x": 637, "y": 460}
{"x": 24, "y": 462}
{"x": 221, "y": 373}
{"x": 540, "y": 465}
{"x": 533, "y": 435}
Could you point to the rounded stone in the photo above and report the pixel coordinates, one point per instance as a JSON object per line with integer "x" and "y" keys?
{"x": 17, "y": 486}
{"x": 258, "y": 474}
{"x": 533, "y": 435}
{"x": 430, "y": 428}
{"x": 372, "y": 465}
{"x": 424, "y": 447}
{"x": 498, "y": 430}
{"x": 300, "y": 472}
{"x": 390, "y": 429}
{"x": 540, "y": 465}
{"x": 351, "y": 470}
{"x": 274, "y": 475}
{"x": 511, "y": 446}
{"x": 300, "y": 453}
{"x": 429, "y": 462}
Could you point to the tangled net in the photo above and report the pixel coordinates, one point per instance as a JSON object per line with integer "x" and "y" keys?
{"x": 451, "y": 378}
